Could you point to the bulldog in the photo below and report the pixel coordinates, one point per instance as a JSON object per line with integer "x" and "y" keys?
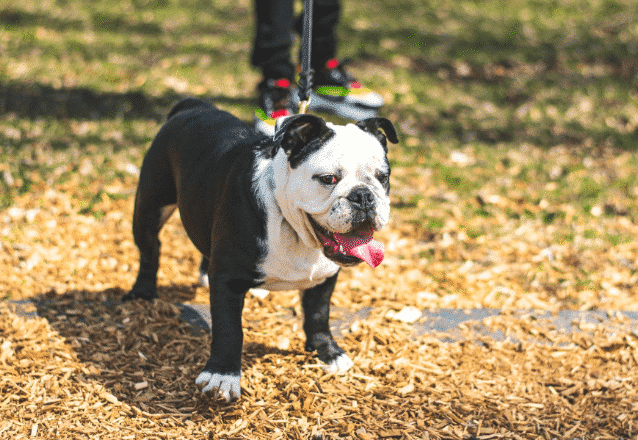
{"x": 278, "y": 213}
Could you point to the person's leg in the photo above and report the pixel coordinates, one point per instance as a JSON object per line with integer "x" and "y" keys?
{"x": 271, "y": 49}
{"x": 335, "y": 90}
{"x": 324, "y": 41}
{"x": 271, "y": 54}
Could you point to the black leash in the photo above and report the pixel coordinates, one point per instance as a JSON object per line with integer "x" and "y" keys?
{"x": 305, "y": 77}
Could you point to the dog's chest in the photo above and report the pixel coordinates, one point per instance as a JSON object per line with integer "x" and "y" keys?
{"x": 289, "y": 264}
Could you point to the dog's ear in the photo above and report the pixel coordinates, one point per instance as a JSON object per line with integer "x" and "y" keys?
{"x": 296, "y": 134}
{"x": 372, "y": 126}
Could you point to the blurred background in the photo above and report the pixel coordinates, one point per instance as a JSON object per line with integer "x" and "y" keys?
{"x": 513, "y": 185}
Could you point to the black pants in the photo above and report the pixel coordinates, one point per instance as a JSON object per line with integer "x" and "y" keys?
{"x": 271, "y": 51}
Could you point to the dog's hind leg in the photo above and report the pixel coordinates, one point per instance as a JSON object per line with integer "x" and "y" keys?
{"x": 203, "y": 272}
{"x": 155, "y": 201}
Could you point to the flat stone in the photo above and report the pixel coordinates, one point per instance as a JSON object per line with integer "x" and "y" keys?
{"x": 444, "y": 322}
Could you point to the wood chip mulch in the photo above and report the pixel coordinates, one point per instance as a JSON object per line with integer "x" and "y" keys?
{"x": 86, "y": 368}
{"x": 89, "y": 367}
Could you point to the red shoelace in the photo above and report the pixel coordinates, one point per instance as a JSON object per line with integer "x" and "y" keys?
{"x": 279, "y": 113}
{"x": 333, "y": 64}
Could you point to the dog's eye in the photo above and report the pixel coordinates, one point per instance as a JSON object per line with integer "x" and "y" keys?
{"x": 383, "y": 178}
{"x": 328, "y": 179}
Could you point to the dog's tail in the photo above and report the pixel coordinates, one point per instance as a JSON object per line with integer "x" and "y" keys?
{"x": 185, "y": 104}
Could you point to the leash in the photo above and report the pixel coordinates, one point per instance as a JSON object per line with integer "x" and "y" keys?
{"x": 305, "y": 77}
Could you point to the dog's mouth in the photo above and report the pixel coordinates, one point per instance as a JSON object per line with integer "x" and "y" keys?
{"x": 350, "y": 248}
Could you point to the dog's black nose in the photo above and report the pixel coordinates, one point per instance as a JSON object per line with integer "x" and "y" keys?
{"x": 361, "y": 198}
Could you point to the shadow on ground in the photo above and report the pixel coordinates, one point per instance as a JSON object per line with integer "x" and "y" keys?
{"x": 36, "y": 100}
{"x": 144, "y": 353}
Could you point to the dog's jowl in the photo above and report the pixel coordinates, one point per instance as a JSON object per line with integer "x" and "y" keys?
{"x": 280, "y": 213}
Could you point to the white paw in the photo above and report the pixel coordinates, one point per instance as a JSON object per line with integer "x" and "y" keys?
{"x": 260, "y": 293}
{"x": 203, "y": 279}
{"x": 340, "y": 365}
{"x": 222, "y": 385}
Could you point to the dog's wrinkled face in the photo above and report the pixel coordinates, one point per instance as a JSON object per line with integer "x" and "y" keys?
{"x": 334, "y": 191}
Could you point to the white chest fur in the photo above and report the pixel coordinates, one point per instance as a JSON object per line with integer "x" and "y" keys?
{"x": 289, "y": 264}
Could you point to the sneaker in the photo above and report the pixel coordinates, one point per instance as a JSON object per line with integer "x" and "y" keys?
{"x": 336, "y": 91}
{"x": 275, "y": 102}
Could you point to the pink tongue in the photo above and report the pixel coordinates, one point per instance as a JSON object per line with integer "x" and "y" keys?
{"x": 362, "y": 246}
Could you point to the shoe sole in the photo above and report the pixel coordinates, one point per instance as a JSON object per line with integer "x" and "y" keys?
{"x": 319, "y": 103}
{"x": 263, "y": 127}
{"x": 343, "y": 109}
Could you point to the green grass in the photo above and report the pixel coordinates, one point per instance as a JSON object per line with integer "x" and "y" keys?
{"x": 541, "y": 94}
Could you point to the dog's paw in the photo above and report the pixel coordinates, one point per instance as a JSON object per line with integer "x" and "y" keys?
{"x": 203, "y": 279}
{"x": 339, "y": 365}
{"x": 140, "y": 293}
{"x": 222, "y": 385}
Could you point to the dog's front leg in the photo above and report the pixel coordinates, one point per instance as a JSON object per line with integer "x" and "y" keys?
{"x": 316, "y": 307}
{"x": 223, "y": 370}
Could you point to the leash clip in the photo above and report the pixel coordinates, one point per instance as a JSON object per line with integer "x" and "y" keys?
{"x": 303, "y": 106}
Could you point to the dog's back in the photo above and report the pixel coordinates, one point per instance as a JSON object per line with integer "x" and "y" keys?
{"x": 197, "y": 134}
{"x": 186, "y": 104}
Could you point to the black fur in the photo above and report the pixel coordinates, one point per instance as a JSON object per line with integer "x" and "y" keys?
{"x": 302, "y": 135}
{"x": 316, "y": 307}
{"x": 202, "y": 160}
{"x": 372, "y": 126}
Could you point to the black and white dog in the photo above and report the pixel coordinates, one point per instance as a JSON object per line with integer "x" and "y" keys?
{"x": 280, "y": 213}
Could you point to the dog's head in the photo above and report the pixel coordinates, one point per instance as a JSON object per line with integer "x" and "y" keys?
{"x": 332, "y": 184}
